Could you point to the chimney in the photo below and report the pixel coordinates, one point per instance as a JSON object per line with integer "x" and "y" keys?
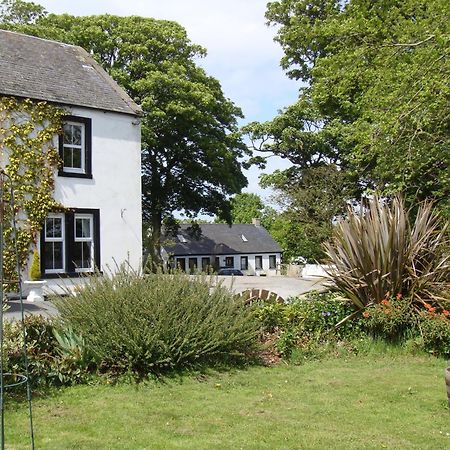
{"x": 256, "y": 222}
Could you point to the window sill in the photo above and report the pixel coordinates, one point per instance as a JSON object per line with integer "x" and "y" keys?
{"x": 74, "y": 175}
{"x": 49, "y": 276}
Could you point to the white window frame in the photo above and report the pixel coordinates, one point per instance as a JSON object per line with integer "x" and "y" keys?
{"x": 82, "y": 147}
{"x": 82, "y": 239}
{"x": 60, "y": 239}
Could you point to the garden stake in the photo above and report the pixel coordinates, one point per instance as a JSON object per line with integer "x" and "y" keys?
{"x": 16, "y": 379}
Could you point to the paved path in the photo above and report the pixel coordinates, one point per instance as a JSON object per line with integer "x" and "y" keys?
{"x": 45, "y": 309}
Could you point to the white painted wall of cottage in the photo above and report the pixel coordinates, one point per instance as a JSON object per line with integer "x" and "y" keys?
{"x": 115, "y": 187}
{"x": 237, "y": 262}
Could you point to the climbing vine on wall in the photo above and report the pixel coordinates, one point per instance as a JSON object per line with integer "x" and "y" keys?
{"x": 29, "y": 158}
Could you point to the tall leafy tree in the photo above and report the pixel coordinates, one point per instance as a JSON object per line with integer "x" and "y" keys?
{"x": 248, "y": 206}
{"x": 375, "y": 92}
{"x": 20, "y": 12}
{"x": 190, "y": 141}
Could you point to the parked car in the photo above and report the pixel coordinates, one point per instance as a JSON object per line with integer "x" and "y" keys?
{"x": 235, "y": 272}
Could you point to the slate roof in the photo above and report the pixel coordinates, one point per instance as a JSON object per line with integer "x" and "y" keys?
{"x": 220, "y": 239}
{"x": 40, "y": 69}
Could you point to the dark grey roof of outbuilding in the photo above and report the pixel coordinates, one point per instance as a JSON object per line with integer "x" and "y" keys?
{"x": 221, "y": 239}
{"x": 40, "y": 69}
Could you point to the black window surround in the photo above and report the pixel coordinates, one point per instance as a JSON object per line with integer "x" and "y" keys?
{"x": 244, "y": 262}
{"x": 272, "y": 261}
{"x": 229, "y": 261}
{"x": 69, "y": 243}
{"x": 258, "y": 262}
{"x": 87, "y": 122}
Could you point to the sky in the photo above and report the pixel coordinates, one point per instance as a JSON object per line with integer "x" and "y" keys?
{"x": 241, "y": 52}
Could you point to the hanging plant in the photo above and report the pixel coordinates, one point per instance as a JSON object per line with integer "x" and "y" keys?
{"x": 29, "y": 159}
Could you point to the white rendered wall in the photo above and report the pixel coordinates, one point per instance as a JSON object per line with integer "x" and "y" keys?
{"x": 237, "y": 262}
{"x": 115, "y": 187}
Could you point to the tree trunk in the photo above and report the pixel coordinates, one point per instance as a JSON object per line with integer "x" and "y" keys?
{"x": 155, "y": 246}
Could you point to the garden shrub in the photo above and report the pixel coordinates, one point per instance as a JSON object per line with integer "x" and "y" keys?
{"x": 381, "y": 250}
{"x": 47, "y": 364}
{"x": 149, "y": 324}
{"x": 435, "y": 331}
{"x": 399, "y": 320}
{"x": 392, "y": 319}
{"x": 307, "y": 322}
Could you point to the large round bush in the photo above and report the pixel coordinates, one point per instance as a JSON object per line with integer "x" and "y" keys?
{"x": 155, "y": 322}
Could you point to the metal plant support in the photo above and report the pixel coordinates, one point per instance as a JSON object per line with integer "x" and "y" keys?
{"x": 8, "y": 379}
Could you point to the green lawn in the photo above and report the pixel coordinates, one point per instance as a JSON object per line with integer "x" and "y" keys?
{"x": 355, "y": 403}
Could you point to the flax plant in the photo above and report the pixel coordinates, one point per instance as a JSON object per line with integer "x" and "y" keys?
{"x": 380, "y": 252}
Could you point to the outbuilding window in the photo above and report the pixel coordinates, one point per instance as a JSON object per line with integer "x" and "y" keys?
{"x": 272, "y": 261}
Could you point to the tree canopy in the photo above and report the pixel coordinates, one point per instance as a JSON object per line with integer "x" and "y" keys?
{"x": 190, "y": 141}
{"x": 376, "y": 99}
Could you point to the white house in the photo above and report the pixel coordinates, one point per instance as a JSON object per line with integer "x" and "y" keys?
{"x": 247, "y": 247}
{"x": 99, "y": 181}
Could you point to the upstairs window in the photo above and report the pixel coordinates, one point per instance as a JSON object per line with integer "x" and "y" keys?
{"x": 75, "y": 147}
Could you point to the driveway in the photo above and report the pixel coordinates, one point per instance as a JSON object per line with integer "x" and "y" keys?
{"x": 284, "y": 286}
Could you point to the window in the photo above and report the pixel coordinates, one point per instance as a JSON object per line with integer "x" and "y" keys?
{"x": 258, "y": 262}
{"x": 75, "y": 147}
{"x": 181, "y": 264}
{"x": 272, "y": 261}
{"x": 244, "y": 239}
{"x": 244, "y": 262}
{"x": 192, "y": 265}
{"x": 70, "y": 243}
{"x": 54, "y": 243}
{"x": 229, "y": 261}
{"x": 83, "y": 247}
{"x": 206, "y": 264}
{"x": 181, "y": 238}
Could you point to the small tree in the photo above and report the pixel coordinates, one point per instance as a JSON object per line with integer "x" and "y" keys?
{"x": 35, "y": 269}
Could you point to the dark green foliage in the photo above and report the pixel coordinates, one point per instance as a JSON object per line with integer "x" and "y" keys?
{"x": 151, "y": 324}
{"x": 377, "y": 96}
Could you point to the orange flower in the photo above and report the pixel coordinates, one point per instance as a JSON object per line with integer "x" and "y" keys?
{"x": 446, "y": 313}
{"x": 399, "y": 296}
{"x": 385, "y": 302}
{"x": 427, "y": 305}
{"x": 432, "y": 310}
{"x": 366, "y": 314}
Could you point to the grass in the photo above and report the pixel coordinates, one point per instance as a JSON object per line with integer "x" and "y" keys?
{"x": 371, "y": 402}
